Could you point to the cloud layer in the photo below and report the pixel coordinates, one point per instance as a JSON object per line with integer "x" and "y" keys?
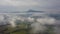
{"x": 19, "y": 5}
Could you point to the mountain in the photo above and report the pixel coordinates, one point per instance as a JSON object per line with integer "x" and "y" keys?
{"x": 35, "y": 11}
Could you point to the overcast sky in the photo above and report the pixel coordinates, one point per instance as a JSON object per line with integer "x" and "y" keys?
{"x": 23, "y": 5}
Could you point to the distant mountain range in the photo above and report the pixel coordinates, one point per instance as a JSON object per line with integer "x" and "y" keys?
{"x": 35, "y": 11}
{"x": 56, "y": 16}
{"x": 29, "y": 11}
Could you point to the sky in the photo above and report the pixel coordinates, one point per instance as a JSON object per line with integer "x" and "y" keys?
{"x": 52, "y": 6}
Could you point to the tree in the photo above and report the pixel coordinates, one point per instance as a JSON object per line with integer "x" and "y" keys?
{"x": 49, "y": 30}
{"x": 4, "y": 29}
